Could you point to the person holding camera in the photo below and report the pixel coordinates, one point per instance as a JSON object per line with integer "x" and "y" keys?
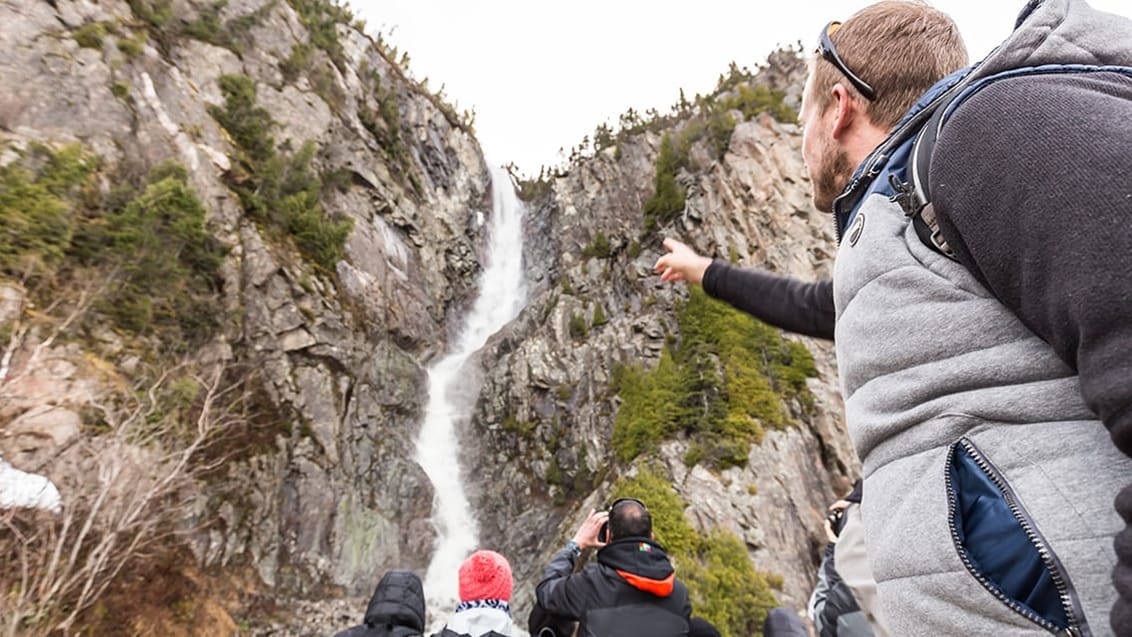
{"x": 843, "y": 603}
{"x": 631, "y": 589}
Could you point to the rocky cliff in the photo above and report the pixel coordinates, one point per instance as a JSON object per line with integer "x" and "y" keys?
{"x": 549, "y": 396}
{"x": 343, "y": 205}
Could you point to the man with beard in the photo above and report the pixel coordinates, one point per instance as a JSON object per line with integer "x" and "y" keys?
{"x": 984, "y": 361}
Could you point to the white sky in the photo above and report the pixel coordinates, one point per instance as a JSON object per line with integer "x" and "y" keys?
{"x": 540, "y": 75}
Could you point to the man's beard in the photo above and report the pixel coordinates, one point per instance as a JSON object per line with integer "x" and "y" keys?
{"x": 832, "y": 178}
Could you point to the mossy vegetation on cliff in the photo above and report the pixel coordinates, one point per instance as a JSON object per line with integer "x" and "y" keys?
{"x": 278, "y": 189}
{"x": 146, "y": 244}
{"x": 725, "y": 379}
{"x": 667, "y": 200}
{"x": 724, "y": 586}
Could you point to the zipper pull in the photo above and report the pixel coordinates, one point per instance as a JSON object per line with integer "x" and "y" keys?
{"x": 903, "y": 194}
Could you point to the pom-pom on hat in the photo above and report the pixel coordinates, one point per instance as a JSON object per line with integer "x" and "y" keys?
{"x": 485, "y": 575}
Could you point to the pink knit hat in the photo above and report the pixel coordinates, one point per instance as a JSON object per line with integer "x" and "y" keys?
{"x": 485, "y": 575}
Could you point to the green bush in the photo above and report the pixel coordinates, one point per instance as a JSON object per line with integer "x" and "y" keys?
{"x": 652, "y": 406}
{"x": 120, "y": 89}
{"x": 727, "y": 377}
{"x": 599, "y": 247}
{"x": 297, "y": 63}
{"x": 668, "y": 198}
{"x": 278, "y": 190}
{"x": 248, "y": 123}
{"x": 724, "y": 586}
{"x": 234, "y": 35}
{"x": 156, "y": 13}
{"x": 159, "y": 265}
{"x": 208, "y": 26}
{"x": 719, "y": 129}
{"x": 38, "y": 197}
{"x": 168, "y": 263}
{"x": 132, "y": 47}
{"x": 598, "y": 316}
{"x": 578, "y": 327}
{"x": 752, "y": 100}
{"x": 321, "y": 18}
{"x": 90, "y": 35}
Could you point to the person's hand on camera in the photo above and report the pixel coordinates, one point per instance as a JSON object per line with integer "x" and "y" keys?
{"x": 834, "y": 520}
{"x": 586, "y": 537}
{"x": 681, "y": 263}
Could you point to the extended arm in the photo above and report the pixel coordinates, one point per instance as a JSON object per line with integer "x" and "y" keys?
{"x": 803, "y": 307}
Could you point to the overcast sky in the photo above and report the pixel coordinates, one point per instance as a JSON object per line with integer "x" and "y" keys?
{"x": 540, "y": 75}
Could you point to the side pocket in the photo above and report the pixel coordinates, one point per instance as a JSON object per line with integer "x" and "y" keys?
{"x": 1001, "y": 546}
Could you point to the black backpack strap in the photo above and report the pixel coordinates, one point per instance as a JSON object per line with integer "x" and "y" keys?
{"x": 915, "y": 194}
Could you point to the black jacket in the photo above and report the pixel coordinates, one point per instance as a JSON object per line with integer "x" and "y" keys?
{"x": 451, "y": 633}
{"x": 397, "y": 608}
{"x": 632, "y": 590}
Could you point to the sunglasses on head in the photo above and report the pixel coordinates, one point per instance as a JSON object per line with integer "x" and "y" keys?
{"x": 829, "y": 53}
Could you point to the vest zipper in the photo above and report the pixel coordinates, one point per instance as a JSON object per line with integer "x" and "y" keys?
{"x": 1057, "y": 573}
{"x": 876, "y": 162}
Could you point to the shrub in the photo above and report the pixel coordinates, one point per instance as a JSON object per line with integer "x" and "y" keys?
{"x": 296, "y": 63}
{"x": 247, "y": 122}
{"x": 668, "y": 198}
{"x": 578, "y": 328}
{"x": 90, "y": 35}
{"x": 723, "y": 380}
{"x": 37, "y": 208}
{"x": 159, "y": 265}
{"x": 234, "y": 35}
{"x": 598, "y": 316}
{"x": 208, "y": 27}
{"x": 719, "y": 129}
{"x": 168, "y": 264}
{"x": 321, "y": 18}
{"x": 752, "y": 100}
{"x": 599, "y": 247}
{"x": 132, "y": 47}
{"x": 156, "y": 13}
{"x": 278, "y": 190}
{"x": 723, "y": 585}
{"x": 120, "y": 89}
{"x": 652, "y": 406}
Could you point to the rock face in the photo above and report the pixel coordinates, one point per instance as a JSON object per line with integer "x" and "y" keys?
{"x": 556, "y": 385}
{"x": 331, "y": 497}
{"x": 337, "y": 497}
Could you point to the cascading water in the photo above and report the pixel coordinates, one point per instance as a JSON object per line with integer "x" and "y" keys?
{"x": 501, "y": 297}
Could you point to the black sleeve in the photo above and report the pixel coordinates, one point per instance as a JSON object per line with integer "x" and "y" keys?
{"x": 803, "y": 307}
{"x": 1032, "y": 181}
{"x": 560, "y": 592}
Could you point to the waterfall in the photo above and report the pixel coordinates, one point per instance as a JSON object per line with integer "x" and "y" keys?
{"x": 502, "y": 294}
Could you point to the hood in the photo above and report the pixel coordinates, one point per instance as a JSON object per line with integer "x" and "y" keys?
{"x": 640, "y": 562}
{"x": 398, "y": 600}
{"x": 480, "y": 621}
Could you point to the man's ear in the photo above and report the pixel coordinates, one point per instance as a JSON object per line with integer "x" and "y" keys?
{"x": 845, "y": 110}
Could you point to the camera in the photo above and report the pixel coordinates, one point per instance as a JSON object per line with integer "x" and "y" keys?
{"x": 836, "y": 519}
{"x": 603, "y": 533}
